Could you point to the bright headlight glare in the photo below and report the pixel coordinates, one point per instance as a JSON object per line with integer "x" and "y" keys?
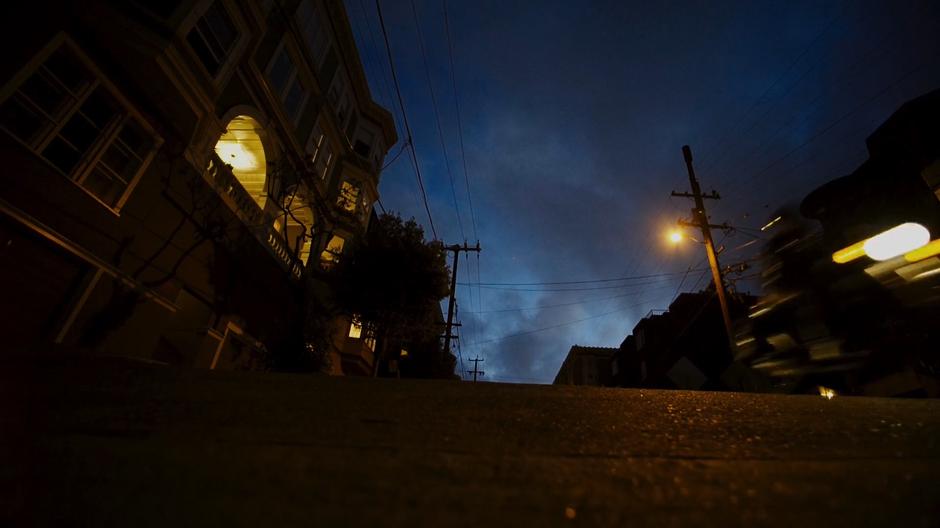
{"x": 897, "y": 241}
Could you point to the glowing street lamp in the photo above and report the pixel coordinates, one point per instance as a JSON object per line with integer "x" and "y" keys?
{"x": 675, "y": 236}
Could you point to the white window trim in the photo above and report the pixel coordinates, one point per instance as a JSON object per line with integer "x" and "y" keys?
{"x": 228, "y": 66}
{"x": 85, "y": 166}
{"x": 317, "y": 11}
{"x": 300, "y": 70}
{"x": 322, "y": 125}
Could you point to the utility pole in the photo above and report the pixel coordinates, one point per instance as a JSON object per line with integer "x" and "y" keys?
{"x": 700, "y": 220}
{"x": 475, "y": 370}
{"x": 456, "y": 248}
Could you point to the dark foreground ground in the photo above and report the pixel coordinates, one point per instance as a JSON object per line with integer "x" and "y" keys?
{"x": 120, "y": 445}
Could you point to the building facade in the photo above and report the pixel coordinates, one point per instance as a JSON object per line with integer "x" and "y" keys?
{"x": 684, "y": 347}
{"x": 179, "y": 172}
{"x": 585, "y": 366}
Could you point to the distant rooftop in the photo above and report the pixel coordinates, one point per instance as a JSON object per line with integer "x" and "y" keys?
{"x": 595, "y": 351}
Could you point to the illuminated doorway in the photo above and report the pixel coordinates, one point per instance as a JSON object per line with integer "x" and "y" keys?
{"x": 241, "y": 147}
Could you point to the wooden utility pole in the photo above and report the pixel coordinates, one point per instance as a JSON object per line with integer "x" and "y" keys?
{"x": 456, "y": 248}
{"x": 700, "y": 220}
{"x": 476, "y": 370}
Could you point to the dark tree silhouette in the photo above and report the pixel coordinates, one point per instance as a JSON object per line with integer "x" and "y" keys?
{"x": 394, "y": 280}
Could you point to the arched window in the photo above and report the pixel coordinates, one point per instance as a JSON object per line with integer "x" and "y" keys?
{"x": 241, "y": 147}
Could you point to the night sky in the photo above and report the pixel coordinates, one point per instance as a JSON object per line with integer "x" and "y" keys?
{"x": 573, "y": 118}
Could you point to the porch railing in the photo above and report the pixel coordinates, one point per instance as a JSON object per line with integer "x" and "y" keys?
{"x": 220, "y": 177}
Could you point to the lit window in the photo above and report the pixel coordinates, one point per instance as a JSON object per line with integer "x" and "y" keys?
{"x": 332, "y": 252}
{"x": 370, "y": 342}
{"x": 286, "y": 83}
{"x": 355, "y": 328}
{"x": 404, "y": 353}
{"x": 64, "y": 113}
{"x": 213, "y": 38}
{"x": 348, "y": 197}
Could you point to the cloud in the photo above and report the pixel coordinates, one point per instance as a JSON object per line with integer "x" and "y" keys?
{"x": 574, "y": 116}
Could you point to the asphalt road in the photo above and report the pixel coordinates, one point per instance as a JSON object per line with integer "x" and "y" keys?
{"x": 122, "y": 445}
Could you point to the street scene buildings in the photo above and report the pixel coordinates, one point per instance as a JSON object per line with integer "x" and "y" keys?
{"x": 828, "y": 313}
{"x": 467, "y": 263}
{"x": 190, "y": 165}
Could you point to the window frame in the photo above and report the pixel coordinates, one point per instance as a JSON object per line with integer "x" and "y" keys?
{"x": 241, "y": 38}
{"x": 342, "y": 202}
{"x": 355, "y": 327}
{"x": 91, "y": 157}
{"x": 297, "y": 75}
{"x": 315, "y": 146}
{"x": 325, "y": 39}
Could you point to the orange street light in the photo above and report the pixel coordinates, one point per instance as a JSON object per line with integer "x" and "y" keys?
{"x": 675, "y": 236}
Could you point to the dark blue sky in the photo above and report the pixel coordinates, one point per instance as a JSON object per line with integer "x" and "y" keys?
{"x": 574, "y": 114}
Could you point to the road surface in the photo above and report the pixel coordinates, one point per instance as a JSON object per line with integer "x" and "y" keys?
{"x": 89, "y": 444}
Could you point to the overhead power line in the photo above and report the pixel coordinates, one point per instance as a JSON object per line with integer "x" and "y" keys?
{"x": 844, "y": 116}
{"x": 725, "y": 136}
{"x": 580, "y": 288}
{"x": 396, "y": 156}
{"x": 404, "y": 116}
{"x": 861, "y": 63}
{"x": 371, "y": 59}
{"x": 463, "y": 154}
{"x": 559, "y": 325}
{"x": 386, "y": 84}
{"x": 588, "y": 281}
{"x": 437, "y": 117}
{"x": 573, "y": 303}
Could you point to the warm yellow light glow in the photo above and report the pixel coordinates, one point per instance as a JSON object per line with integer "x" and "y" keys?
{"x": 355, "y": 328}
{"x": 348, "y": 195}
{"x": 909, "y": 238}
{"x": 826, "y": 392}
{"x": 404, "y": 353}
{"x": 928, "y": 250}
{"x": 241, "y": 147}
{"x": 771, "y": 223}
{"x": 236, "y": 155}
{"x": 850, "y": 253}
{"x": 333, "y": 251}
{"x": 675, "y": 236}
{"x": 897, "y": 241}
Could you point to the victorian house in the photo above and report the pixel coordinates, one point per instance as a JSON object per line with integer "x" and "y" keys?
{"x": 175, "y": 170}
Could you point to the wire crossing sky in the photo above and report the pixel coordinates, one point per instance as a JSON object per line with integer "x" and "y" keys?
{"x": 571, "y": 120}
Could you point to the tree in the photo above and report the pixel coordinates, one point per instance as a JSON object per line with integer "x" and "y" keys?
{"x": 393, "y": 281}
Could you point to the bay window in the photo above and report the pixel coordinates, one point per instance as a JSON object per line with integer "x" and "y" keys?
{"x": 68, "y": 114}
